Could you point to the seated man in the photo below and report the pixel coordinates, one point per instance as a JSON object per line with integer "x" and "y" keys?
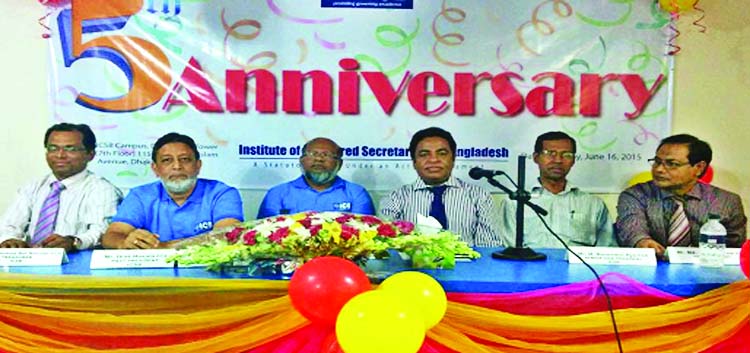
{"x": 179, "y": 205}
{"x": 462, "y": 208}
{"x": 579, "y": 218}
{"x": 70, "y": 208}
{"x": 670, "y": 209}
{"x": 319, "y": 188}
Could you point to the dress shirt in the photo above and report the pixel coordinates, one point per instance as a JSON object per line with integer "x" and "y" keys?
{"x": 87, "y": 204}
{"x": 297, "y": 196}
{"x": 151, "y": 208}
{"x": 644, "y": 211}
{"x": 579, "y": 218}
{"x": 470, "y": 210}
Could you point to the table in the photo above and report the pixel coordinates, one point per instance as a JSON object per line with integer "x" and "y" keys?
{"x": 484, "y": 275}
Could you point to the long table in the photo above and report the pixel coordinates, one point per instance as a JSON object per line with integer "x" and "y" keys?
{"x": 484, "y": 275}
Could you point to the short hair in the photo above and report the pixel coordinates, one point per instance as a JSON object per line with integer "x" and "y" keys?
{"x": 431, "y": 132}
{"x": 552, "y": 136}
{"x": 89, "y": 140}
{"x": 174, "y": 137}
{"x": 339, "y": 151}
{"x": 698, "y": 150}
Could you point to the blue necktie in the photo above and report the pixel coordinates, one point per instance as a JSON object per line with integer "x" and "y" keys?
{"x": 45, "y": 225}
{"x": 437, "y": 209}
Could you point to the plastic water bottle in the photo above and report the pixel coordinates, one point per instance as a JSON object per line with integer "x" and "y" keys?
{"x": 712, "y": 243}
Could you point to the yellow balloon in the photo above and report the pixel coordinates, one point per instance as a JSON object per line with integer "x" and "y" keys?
{"x": 377, "y": 322}
{"x": 677, "y": 5}
{"x": 421, "y": 291}
{"x": 642, "y": 177}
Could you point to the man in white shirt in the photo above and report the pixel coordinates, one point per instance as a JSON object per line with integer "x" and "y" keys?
{"x": 579, "y": 218}
{"x": 69, "y": 208}
{"x": 460, "y": 207}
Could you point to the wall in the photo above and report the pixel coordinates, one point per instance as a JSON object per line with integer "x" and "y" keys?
{"x": 712, "y": 79}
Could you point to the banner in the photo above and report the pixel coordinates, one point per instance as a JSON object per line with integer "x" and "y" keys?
{"x": 252, "y": 80}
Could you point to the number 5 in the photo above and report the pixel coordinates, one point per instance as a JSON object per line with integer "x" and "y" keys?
{"x": 143, "y": 63}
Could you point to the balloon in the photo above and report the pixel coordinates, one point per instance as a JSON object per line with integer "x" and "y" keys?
{"x": 378, "y": 322}
{"x": 706, "y": 178}
{"x": 54, "y": 3}
{"x": 321, "y": 287}
{"x": 672, "y": 6}
{"x": 420, "y": 291}
{"x": 745, "y": 258}
{"x": 642, "y": 177}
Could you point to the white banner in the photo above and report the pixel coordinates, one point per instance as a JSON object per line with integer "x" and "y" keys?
{"x": 252, "y": 80}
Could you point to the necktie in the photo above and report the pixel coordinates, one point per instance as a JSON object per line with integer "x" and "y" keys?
{"x": 679, "y": 226}
{"x": 437, "y": 209}
{"x": 45, "y": 225}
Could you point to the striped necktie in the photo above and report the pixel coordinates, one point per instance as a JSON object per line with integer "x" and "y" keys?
{"x": 679, "y": 226}
{"x": 45, "y": 225}
{"x": 437, "y": 209}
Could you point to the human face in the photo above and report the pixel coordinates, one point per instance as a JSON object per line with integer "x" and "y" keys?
{"x": 555, "y": 160}
{"x": 433, "y": 160}
{"x": 320, "y": 162}
{"x": 177, "y": 167}
{"x": 680, "y": 177}
{"x": 66, "y": 155}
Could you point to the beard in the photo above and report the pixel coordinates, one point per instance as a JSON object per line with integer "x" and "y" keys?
{"x": 179, "y": 186}
{"x": 320, "y": 178}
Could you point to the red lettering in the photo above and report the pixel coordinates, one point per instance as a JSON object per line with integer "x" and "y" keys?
{"x": 639, "y": 95}
{"x": 201, "y": 94}
{"x": 464, "y": 101}
{"x": 265, "y": 91}
{"x": 418, "y": 92}
{"x": 293, "y": 91}
{"x": 507, "y": 94}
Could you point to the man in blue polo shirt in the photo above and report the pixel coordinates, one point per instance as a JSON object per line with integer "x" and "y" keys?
{"x": 179, "y": 205}
{"x": 319, "y": 188}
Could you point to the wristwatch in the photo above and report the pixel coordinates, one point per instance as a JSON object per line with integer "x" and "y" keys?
{"x": 77, "y": 243}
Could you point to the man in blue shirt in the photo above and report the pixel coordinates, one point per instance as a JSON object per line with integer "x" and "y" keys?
{"x": 179, "y": 205}
{"x": 319, "y": 188}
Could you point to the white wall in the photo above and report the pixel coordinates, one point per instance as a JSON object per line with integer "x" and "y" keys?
{"x": 711, "y": 93}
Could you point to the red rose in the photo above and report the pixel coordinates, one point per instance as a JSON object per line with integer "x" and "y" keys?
{"x": 278, "y": 235}
{"x": 315, "y": 229}
{"x": 305, "y": 222}
{"x": 347, "y": 231}
{"x": 233, "y": 235}
{"x": 385, "y": 230}
{"x": 249, "y": 237}
{"x": 404, "y": 226}
{"x": 370, "y": 220}
{"x": 343, "y": 219}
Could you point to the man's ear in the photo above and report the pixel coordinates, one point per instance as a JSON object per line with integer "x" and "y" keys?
{"x": 702, "y": 165}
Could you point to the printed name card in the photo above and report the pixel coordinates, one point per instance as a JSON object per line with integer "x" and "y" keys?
{"x": 33, "y": 257}
{"x": 613, "y": 256}
{"x": 152, "y": 258}
{"x": 689, "y": 255}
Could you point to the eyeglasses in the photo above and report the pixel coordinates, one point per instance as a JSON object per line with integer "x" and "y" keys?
{"x": 66, "y": 149}
{"x": 322, "y": 155}
{"x": 669, "y": 163}
{"x": 563, "y": 154}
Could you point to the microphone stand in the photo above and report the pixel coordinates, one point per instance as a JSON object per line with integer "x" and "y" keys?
{"x": 522, "y": 197}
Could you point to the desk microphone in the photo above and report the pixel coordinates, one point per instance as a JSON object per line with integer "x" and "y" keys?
{"x": 477, "y": 173}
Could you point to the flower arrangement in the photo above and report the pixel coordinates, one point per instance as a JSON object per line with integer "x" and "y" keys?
{"x": 304, "y": 236}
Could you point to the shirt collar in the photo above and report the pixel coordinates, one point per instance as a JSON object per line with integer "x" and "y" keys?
{"x": 69, "y": 181}
{"x": 695, "y": 193}
{"x": 195, "y": 196}
{"x": 301, "y": 183}
{"x": 539, "y": 190}
{"x": 420, "y": 184}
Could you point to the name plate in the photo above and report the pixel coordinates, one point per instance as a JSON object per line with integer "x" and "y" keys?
{"x": 689, "y": 255}
{"x": 153, "y": 258}
{"x": 33, "y": 257}
{"x": 613, "y": 256}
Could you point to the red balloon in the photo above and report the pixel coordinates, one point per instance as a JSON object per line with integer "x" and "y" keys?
{"x": 321, "y": 287}
{"x": 708, "y": 177}
{"x": 54, "y": 3}
{"x": 745, "y": 258}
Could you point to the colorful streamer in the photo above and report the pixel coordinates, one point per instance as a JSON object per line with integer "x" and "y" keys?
{"x": 86, "y": 314}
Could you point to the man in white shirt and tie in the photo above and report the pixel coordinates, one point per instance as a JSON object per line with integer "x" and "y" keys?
{"x": 69, "y": 208}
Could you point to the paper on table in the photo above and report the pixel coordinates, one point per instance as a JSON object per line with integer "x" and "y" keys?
{"x": 428, "y": 225}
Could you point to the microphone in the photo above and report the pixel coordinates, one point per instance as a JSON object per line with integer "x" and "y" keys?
{"x": 477, "y": 173}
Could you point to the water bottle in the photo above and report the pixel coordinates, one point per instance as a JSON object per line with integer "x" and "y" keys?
{"x": 712, "y": 243}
